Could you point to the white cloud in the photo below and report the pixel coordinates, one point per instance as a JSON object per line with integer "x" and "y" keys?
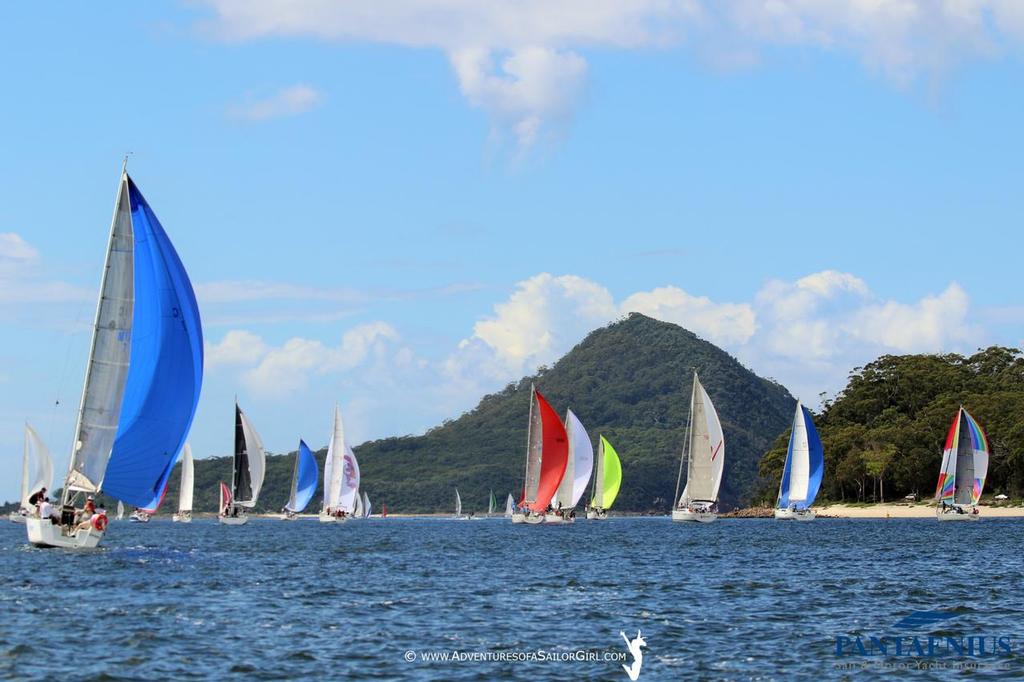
{"x": 521, "y": 60}
{"x": 22, "y": 277}
{"x": 290, "y": 101}
{"x": 238, "y": 347}
{"x": 724, "y": 323}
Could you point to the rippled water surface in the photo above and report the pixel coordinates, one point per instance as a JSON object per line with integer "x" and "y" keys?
{"x": 737, "y": 599}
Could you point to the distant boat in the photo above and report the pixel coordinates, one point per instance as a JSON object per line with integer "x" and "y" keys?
{"x": 383, "y": 511}
{"x": 704, "y": 456}
{"x": 510, "y": 506}
{"x": 367, "y": 507}
{"x": 184, "y": 514}
{"x": 120, "y": 510}
{"x": 578, "y": 467}
{"x": 357, "y": 513}
{"x": 341, "y": 476}
{"x": 305, "y": 478}
{"x": 458, "y": 507}
{"x": 803, "y": 471}
{"x": 964, "y": 468}
{"x": 140, "y": 516}
{"x": 142, "y": 378}
{"x": 144, "y": 515}
{"x": 32, "y": 483}
{"x": 248, "y": 468}
{"x": 547, "y": 451}
{"x": 607, "y": 480}
{"x": 492, "y": 504}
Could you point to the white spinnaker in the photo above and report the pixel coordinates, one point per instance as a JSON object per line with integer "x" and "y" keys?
{"x": 187, "y": 480}
{"x": 107, "y": 368}
{"x": 582, "y": 455}
{"x": 510, "y": 505}
{"x": 800, "y": 463}
{"x": 367, "y": 507}
{"x": 349, "y": 481}
{"x": 707, "y": 449}
{"x": 334, "y": 465}
{"x": 120, "y": 510}
{"x": 43, "y": 477}
{"x": 257, "y": 457}
{"x": 458, "y": 503}
{"x": 563, "y": 494}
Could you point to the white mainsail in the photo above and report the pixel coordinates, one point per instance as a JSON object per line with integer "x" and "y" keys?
{"x": 800, "y": 461}
{"x": 107, "y": 368}
{"x": 458, "y": 503}
{"x": 367, "y": 507}
{"x": 187, "y": 480}
{"x": 358, "y": 511}
{"x": 44, "y": 466}
{"x": 510, "y": 506}
{"x": 120, "y": 510}
{"x": 534, "y": 449}
{"x": 579, "y": 465}
{"x": 706, "y": 449}
{"x": 334, "y": 465}
{"x": 257, "y": 459}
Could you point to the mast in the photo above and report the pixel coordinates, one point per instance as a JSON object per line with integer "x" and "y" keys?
{"x": 24, "y": 472}
{"x": 76, "y": 444}
{"x": 686, "y": 443}
{"x": 234, "y": 456}
{"x": 529, "y": 428}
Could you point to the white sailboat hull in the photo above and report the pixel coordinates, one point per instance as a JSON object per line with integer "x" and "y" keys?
{"x": 16, "y": 517}
{"x": 182, "y": 517}
{"x": 42, "y": 533}
{"x": 518, "y": 518}
{"x": 689, "y": 515}
{"x": 597, "y": 514}
{"x": 239, "y": 520}
{"x": 955, "y": 516}
{"x": 530, "y": 518}
{"x": 558, "y": 517}
{"x": 330, "y": 518}
{"x": 795, "y": 514}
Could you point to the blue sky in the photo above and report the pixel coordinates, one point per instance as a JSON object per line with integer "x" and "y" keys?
{"x": 403, "y": 207}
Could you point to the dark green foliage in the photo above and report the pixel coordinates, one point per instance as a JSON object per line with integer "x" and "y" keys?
{"x": 884, "y": 434}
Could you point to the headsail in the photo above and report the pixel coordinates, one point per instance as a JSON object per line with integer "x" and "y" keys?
{"x": 492, "y": 503}
{"x": 367, "y": 507}
{"x": 706, "y": 449}
{"x": 166, "y": 364}
{"x": 458, "y": 503}
{"x": 349, "y": 481}
{"x": 120, "y": 510}
{"x": 305, "y": 478}
{"x": 43, "y": 477}
{"x": 187, "y": 480}
{"x": 250, "y": 462}
{"x": 964, "y": 462}
{"x": 510, "y": 505}
{"x": 608, "y": 477}
{"x": 225, "y": 498}
{"x": 334, "y": 465}
{"x": 554, "y": 454}
{"x": 580, "y": 463}
{"x": 357, "y": 512}
{"x": 805, "y": 463}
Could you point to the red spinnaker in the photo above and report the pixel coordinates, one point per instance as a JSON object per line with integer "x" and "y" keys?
{"x": 225, "y": 497}
{"x": 554, "y": 457}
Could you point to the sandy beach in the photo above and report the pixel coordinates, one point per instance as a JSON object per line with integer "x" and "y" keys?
{"x": 908, "y": 511}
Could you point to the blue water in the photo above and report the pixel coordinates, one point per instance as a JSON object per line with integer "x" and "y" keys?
{"x": 737, "y": 599}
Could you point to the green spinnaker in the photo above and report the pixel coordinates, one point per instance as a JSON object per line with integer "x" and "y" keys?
{"x": 611, "y": 475}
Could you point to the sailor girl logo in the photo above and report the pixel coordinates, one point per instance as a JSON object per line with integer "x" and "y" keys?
{"x": 635, "y": 646}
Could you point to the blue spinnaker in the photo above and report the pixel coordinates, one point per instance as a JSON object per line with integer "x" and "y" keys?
{"x": 816, "y": 455}
{"x": 165, "y": 373}
{"x": 307, "y": 477}
{"x": 805, "y": 463}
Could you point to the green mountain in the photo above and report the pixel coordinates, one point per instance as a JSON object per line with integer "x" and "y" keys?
{"x": 630, "y": 381}
{"x": 884, "y": 433}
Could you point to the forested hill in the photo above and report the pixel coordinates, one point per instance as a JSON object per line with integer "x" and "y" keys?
{"x": 630, "y": 381}
{"x": 884, "y": 433}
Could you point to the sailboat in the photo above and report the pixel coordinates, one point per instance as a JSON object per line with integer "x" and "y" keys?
{"x": 803, "y": 471}
{"x": 458, "y": 508}
{"x": 607, "y": 480}
{"x": 305, "y": 478}
{"x": 367, "y": 507}
{"x": 510, "y": 506}
{"x": 357, "y": 513}
{"x": 578, "y": 467}
{"x": 142, "y": 378}
{"x": 492, "y": 504}
{"x": 41, "y": 479}
{"x": 964, "y": 468}
{"x": 704, "y": 456}
{"x": 341, "y": 476}
{"x": 547, "y": 450}
{"x": 248, "y": 468}
{"x": 184, "y": 514}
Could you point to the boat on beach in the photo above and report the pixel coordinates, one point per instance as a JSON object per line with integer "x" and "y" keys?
{"x": 803, "y": 470}
{"x": 248, "y": 468}
{"x": 607, "y": 481}
{"x": 142, "y": 379}
{"x": 964, "y": 469}
{"x": 305, "y": 478}
{"x": 703, "y": 458}
{"x": 341, "y": 477}
{"x": 547, "y": 452}
{"x": 185, "y": 493}
{"x": 32, "y": 481}
{"x": 578, "y": 466}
